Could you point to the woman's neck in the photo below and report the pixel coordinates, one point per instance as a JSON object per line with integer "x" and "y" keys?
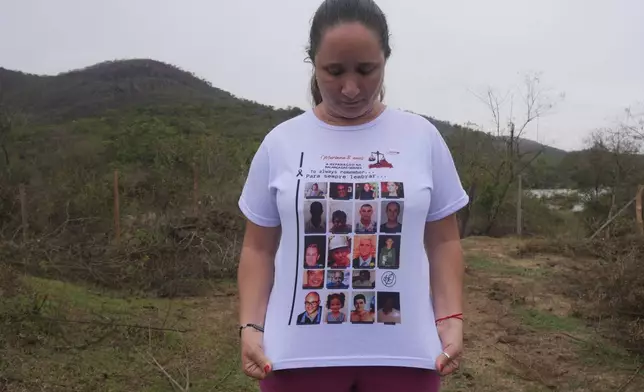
{"x": 322, "y": 112}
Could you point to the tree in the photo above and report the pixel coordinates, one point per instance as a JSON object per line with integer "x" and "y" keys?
{"x": 508, "y": 161}
{"x": 614, "y": 167}
{"x": 633, "y": 122}
{"x": 6, "y": 124}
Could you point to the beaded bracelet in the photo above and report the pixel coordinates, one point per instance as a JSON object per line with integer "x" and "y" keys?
{"x": 456, "y": 316}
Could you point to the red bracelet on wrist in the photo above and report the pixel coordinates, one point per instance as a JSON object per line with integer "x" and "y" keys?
{"x": 456, "y": 316}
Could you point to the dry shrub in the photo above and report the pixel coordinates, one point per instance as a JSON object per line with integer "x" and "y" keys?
{"x": 538, "y": 220}
{"x": 154, "y": 255}
{"x": 618, "y": 285}
{"x": 558, "y": 245}
{"x": 619, "y": 264}
{"x": 610, "y": 282}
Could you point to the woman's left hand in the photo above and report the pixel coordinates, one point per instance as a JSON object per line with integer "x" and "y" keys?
{"x": 450, "y": 332}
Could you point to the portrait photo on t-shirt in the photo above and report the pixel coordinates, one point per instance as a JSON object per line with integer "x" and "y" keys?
{"x": 388, "y": 307}
{"x": 338, "y": 279}
{"x": 339, "y": 251}
{"x": 391, "y": 216}
{"x": 365, "y": 217}
{"x": 315, "y": 190}
{"x": 311, "y": 313}
{"x": 341, "y": 190}
{"x": 340, "y": 217}
{"x": 363, "y": 279}
{"x": 336, "y": 308}
{"x": 364, "y": 251}
{"x": 313, "y": 279}
{"x": 363, "y": 306}
{"x": 389, "y": 251}
{"x": 314, "y": 251}
{"x": 367, "y": 191}
{"x": 392, "y": 190}
{"x": 315, "y": 217}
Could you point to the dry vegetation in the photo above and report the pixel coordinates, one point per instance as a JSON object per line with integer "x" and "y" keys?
{"x": 526, "y": 331}
{"x": 608, "y": 283}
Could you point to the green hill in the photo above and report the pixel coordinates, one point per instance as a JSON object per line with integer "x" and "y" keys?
{"x": 111, "y": 85}
{"x": 153, "y": 123}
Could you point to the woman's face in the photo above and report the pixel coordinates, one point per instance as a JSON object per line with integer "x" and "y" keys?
{"x": 349, "y": 67}
{"x": 335, "y": 305}
{"x": 360, "y": 305}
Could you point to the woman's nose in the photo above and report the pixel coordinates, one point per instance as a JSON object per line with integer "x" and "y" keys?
{"x": 350, "y": 89}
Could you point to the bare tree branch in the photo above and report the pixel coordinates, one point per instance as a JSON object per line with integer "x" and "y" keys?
{"x": 503, "y": 169}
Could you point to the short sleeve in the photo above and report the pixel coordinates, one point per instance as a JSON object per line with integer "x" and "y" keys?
{"x": 258, "y": 201}
{"x": 448, "y": 195}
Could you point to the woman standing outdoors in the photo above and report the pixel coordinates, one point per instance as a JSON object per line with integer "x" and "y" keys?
{"x": 348, "y": 139}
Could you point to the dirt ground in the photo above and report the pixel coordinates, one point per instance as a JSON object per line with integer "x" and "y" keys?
{"x": 523, "y": 333}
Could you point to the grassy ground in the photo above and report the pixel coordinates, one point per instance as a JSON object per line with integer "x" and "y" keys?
{"x": 521, "y": 335}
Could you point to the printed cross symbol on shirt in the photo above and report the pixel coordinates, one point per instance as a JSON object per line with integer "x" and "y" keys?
{"x": 388, "y": 279}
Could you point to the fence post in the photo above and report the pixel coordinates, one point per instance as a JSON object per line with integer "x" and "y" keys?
{"x": 23, "y": 211}
{"x": 195, "y": 189}
{"x": 519, "y": 207}
{"x": 638, "y": 209}
{"x": 117, "y": 212}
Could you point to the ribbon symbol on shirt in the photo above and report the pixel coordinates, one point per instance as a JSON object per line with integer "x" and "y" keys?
{"x": 299, "y": 173}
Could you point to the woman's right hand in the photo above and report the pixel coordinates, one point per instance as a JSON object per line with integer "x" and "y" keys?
{"x": 254, "y": 362}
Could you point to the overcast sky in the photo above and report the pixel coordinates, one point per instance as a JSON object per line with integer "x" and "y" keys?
{"x": 443, "y": 51}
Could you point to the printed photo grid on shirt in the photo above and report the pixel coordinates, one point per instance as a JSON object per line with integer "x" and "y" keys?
{"x": 352, "y": 237}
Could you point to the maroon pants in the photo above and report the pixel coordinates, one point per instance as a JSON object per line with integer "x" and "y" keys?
{"x": 352, "y": 379}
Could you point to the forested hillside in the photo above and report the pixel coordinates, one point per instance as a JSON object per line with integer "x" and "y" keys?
{"x": 64, "y": 135}
{"x": 109, "y": 85}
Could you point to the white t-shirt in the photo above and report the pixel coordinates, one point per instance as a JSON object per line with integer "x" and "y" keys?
{"x": 351, "y": 272}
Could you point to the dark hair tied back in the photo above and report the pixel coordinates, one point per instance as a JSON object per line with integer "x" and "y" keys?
{"x": 334, "y": 12}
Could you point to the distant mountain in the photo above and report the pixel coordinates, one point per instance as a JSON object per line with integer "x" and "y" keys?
{"x": 528, "y": 145}
{"x": 111, "y": 85}
{"x": 127, "y": 84}
{"x": 114, "y": 96}
{"x": 553, "y": 154}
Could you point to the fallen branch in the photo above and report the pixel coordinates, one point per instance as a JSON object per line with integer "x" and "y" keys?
{"x": 612, "y": 218}
{"x": 85, "y": 345}
{"x": 630, "y": 380}
{"x": 113, "y": 324}
{"x": 573, "y": 337}
{"x": 222, "y": 380}
{"x": 148, "y": 357}
{"x": 170, "y": 378}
